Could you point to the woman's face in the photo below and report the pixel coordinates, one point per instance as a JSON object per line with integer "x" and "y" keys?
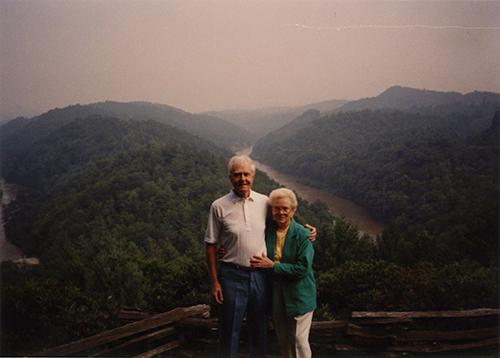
{"x": 282, "y": 211}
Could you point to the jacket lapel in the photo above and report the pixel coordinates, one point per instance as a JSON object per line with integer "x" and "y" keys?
{"x": 271, "y": 242}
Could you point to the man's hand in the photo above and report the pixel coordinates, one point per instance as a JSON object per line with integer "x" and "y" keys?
{"x": 211, "y": 253}
{"x": 217, "y": 292}
{"x": 314, "y": 232}
{"x": 261, "y": 262}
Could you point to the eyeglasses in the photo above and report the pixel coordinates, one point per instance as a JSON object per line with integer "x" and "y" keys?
{"x": 278, "y": 209}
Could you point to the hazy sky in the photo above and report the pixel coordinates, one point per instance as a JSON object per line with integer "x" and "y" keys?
{"x": 212, "y": 55}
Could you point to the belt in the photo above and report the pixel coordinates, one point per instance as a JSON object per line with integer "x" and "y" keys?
{"x": 239, "y": 267}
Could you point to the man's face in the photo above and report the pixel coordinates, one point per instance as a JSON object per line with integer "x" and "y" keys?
{"x": 242, "y": 178}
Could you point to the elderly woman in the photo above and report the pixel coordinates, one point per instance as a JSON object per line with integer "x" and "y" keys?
{"x": 290, "y": 256}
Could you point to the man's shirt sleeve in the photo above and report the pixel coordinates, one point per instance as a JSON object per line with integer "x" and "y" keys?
{"x": 213, "y": 226}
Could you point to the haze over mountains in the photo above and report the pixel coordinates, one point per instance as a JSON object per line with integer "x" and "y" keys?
{"x": 235, "y": 128}
{"x": 263, "y": 120}
{"x": 408, "y": 100}
{"x": 221, "y": 132}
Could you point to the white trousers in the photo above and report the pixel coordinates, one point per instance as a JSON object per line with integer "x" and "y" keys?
{"x": 292, "y": 332}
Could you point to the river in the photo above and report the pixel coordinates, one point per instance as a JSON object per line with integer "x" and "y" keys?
{"x": 8, "y": 251}
{"x": 336, "y": 205}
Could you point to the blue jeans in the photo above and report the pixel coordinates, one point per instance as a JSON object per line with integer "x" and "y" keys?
{"x": 244, "y": 292}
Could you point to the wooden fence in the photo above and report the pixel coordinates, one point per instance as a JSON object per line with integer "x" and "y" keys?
{"x": 422, "y": 332}
{"x": 130, "y": 339}
{"x": 425, "y": 331}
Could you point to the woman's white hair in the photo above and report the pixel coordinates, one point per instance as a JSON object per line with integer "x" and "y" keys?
{"x": 239, "y": 159}
{"x": 283, "y": 193}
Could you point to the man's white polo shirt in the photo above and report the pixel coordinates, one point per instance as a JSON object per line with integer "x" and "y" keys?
{"x": 238, "y": 225}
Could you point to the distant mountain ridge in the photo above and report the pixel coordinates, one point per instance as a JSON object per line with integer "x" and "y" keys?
{"x": 261, "y": 121}
{"x": 218, "y": 131}
{"x": 403, "y": 98}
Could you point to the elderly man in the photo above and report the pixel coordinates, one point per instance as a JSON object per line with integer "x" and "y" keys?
{"x": 237, "y": 222}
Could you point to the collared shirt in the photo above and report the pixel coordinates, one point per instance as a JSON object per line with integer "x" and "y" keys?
{"x": 238, "y": 225}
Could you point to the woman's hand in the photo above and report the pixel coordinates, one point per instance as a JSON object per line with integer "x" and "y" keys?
{"x": 261, "y": 262}
{"x": 221, "y": 252}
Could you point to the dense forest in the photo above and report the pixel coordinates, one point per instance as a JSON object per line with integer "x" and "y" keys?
{"x": 429, "y": 172}
{"x": 116, "y": 211}
{"x": 108, "y": 209}
{"x": 115, "y": 207}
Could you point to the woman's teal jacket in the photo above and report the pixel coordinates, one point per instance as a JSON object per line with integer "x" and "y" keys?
{"x": 294, "y": 272}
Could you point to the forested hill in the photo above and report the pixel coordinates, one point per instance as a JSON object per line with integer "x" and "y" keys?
{"x": 431, "y": 175}
{"x": 80, "y": 141}
{"x": 116, "y": 211}
{"x": 432, "y": 103}
{"x": 216, "y": 130}
{"x": 405, "y": 98}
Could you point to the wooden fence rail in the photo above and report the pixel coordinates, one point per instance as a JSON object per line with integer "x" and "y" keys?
{"x": 415, "y": 331}
{"x": 150, "y": 327}
{"x": 419, "y": 331}
{"x": 401, "y": 331}
{"x": 478, "y": 312}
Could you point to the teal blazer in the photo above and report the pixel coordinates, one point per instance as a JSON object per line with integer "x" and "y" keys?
{"x": 294, "y": 272}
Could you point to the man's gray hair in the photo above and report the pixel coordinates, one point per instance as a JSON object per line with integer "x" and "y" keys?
{"x": 283, "y": 193}
{"x": 239, "y": 159}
